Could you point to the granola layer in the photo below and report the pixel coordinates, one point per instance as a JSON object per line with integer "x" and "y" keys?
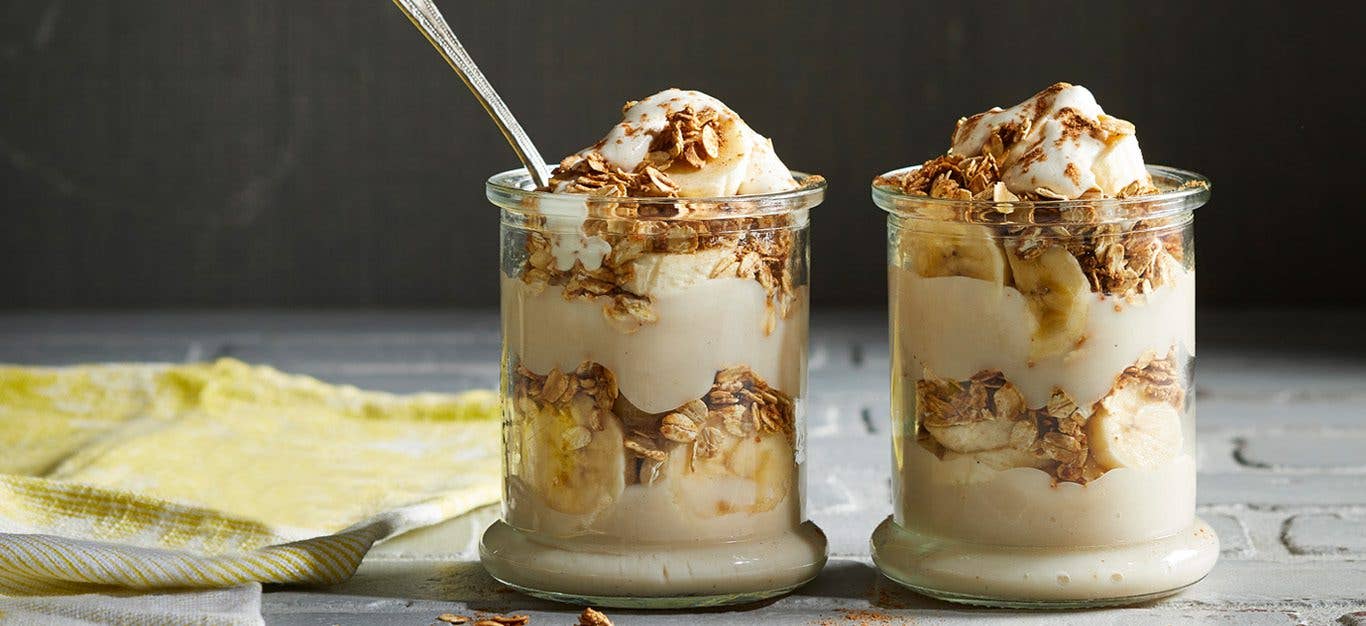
{"x": 739, "y": 405}
{"x": 986, "y": 416}
{"x": 1122, "y": 258}
{"x": 759, "y": 248}
{"x": 587, "y": 455}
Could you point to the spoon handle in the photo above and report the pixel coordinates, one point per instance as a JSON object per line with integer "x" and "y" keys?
{"x": 424, "y": 15}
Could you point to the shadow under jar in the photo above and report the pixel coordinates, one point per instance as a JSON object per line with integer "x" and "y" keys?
{"x": 653, "y": 387}
{"x": 1043, "y": 426}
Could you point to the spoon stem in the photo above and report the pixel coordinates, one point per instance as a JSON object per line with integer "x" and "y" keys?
{"x": 428, "y": 20}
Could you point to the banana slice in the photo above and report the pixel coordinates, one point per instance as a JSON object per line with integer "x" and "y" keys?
{"x": 1057, "y": 292}
{"x": 972, "y": 437}
{"x": 1002, "y": 458}
{"x": 721, "y": 474}
{"x": 950, "y": 249}
{"x": 1128, "y": 430}
{"x": 722, "y": 175}
{"x": 569, "y": 465}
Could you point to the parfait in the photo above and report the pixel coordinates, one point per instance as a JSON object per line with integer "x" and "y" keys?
{"x": 1042, "y": 285}
{"x": 654, "y": 306}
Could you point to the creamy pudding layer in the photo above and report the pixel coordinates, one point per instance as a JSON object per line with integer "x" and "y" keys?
{"x": 971, "y": 501}
{"x": 956, "y": 326}
{"x": 702, "y": 328}
{"x": 675, "y": 509}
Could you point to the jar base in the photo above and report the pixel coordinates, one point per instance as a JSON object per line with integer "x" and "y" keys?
{"x": 599, "y": 572}
{"x": 1044, "y": 577}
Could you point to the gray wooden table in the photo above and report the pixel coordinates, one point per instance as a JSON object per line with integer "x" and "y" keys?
{"x": 1282, "y": 450}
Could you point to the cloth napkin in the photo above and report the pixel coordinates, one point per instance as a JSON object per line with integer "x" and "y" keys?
{"x": 136, "y": 478}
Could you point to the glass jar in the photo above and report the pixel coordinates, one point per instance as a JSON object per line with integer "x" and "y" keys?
{"x": 1043, "y": 433}
{"x": 653, "y": 386}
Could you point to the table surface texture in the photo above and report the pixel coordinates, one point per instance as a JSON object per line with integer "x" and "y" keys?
{"x": 1281, "y": 446}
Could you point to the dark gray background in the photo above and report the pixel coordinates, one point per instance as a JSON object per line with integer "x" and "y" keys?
{"x": 175, "y": 153}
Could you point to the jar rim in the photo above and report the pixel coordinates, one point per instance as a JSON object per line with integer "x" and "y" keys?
{"x": 1184, "y": 192}
{"x": 512, "y": 190}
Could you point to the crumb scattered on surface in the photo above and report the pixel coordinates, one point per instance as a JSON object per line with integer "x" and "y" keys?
{"x": 593, "y": 617}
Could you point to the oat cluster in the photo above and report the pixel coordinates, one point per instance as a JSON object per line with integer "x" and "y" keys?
{"x": 1158, "y": 377}
{"x": 589, "y": 172}
{"x": 1119, "y": 261}
{"x": 688, "y": 140}
{"x": 1062, "y": 427}
{"x": 1051, "y": 437}
{"x": 744, "y": 404}
{"x": 953, "y": 177}
{"x": 739, "y": 404}
{"x": 762, "y": 249}
{"x": 595, "y": 384}
{"x": 593, "y": 617}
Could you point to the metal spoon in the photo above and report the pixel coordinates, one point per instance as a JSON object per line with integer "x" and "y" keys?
{"x": 424, "y": 15}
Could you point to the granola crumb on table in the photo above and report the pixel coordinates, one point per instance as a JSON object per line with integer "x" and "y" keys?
{"x": 593, "y": 617}
{"x": 496, "y": 620}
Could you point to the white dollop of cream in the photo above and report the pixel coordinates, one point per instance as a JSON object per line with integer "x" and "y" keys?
{"x": 1065, "y": 148}
{"x": 747, "y": 163}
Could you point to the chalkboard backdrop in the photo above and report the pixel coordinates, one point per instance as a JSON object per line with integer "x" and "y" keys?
{"x": 173, "y": 153}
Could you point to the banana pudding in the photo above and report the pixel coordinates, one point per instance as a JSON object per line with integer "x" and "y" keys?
{"x": 1042, "y": 291}
{"x": 654, "y": 302}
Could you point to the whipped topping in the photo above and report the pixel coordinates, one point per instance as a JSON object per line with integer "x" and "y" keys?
{"x": 746, "y": 164}
{"x": 1060, "y": 141}
{"x": 738, "y": 161}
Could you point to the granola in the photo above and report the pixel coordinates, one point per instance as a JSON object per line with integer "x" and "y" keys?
{"x": 985, "y": 414}
{"x": 594, "y": 385}
{"x": 1119, "y": 258}
{"x": 688, "y": 140}
{"x": 762, "y": 249}
{"x": 593, "y": 617}
{"x": 1158, "y": 378}
{"x": 739, "y": 404}
{"x": 591, "y": 173}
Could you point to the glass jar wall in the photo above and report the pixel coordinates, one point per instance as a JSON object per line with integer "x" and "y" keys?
{"x": 654, "y": 374}
{"x": 1043, "y": 422}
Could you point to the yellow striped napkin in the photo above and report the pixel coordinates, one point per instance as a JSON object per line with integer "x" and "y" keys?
{"x": 216, "y": 475}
